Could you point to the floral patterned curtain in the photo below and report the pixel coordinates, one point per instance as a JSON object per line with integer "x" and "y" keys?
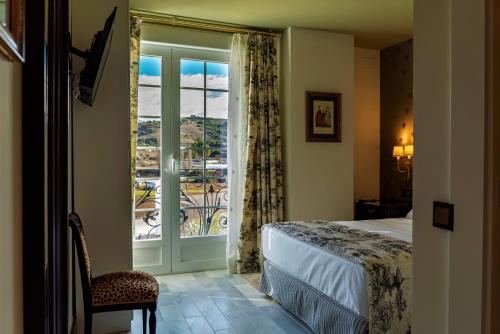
{"x": 135, "y": 51}
{"x": 263, "y": 197}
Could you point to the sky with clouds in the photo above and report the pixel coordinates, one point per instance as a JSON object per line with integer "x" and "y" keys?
{"x": 192, "y": 76}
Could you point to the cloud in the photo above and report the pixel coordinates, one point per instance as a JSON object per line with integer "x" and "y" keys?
{"x": 192, "y": 80}
{"x": 217, "y": 81}
{"x": 192, "y": 104}
{"x": 191, "y": 100}
{"x": 149, "y": 101}
{"x": 196, "y": 81}
{"x": 217, "y": 104}
{"x": 150, "y": 80}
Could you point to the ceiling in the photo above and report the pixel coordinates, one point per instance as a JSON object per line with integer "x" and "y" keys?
{"x": 374, "y": 23}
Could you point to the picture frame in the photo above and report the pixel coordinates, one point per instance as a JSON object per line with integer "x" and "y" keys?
{"x": 443, "y": 216}
{"x": 323, "y": 117}
{"x": 12, "y": 16}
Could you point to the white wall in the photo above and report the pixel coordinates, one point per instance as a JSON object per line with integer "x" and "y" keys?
{"x": 318, "y": 176}
{"x": 10, "y": 202}
{"x": 467, "y": 164}
{"x": 449, "y": 161}
{"x": 432, "y": 93}
{"x": 103, "y": 197}
{"x": 366, "y": 124}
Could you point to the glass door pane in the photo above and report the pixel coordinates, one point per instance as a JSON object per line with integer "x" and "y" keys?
{"x": 203, "y": 145}
{"x": 147, "y": 189}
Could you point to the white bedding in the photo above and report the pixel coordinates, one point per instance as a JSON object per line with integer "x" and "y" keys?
{"x": 344, "y": 281}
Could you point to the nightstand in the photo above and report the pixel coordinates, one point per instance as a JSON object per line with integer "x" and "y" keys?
{"x": 365, "y": 210}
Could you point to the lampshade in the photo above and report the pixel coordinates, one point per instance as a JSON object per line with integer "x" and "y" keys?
{"x": 408, "y": 150}
{"x": 397, "y": 151}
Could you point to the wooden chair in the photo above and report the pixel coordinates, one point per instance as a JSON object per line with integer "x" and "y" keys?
{"x": 118, "y": 291}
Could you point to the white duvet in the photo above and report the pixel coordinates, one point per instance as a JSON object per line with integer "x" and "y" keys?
{"x": 344, "y": 281}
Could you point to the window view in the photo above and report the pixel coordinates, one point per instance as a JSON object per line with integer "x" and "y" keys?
{"x": 203, "y": 147}
{"x": 147, "y": 194}
{"x": 3, "y": 13}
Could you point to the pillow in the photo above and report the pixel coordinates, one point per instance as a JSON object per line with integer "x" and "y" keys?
{"x": 410, "y": 214}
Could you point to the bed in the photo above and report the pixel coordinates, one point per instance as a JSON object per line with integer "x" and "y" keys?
{"x": 315, "y": 270}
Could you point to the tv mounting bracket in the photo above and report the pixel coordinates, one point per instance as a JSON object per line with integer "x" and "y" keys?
{"x": 80, "y": 53}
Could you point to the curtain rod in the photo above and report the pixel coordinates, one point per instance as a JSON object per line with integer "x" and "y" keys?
{"x": 180, "y": 21}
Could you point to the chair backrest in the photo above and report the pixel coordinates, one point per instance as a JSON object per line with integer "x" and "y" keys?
{"x": 83, "y": 257}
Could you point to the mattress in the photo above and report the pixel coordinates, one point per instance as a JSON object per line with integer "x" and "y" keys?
{"x": 344, "y": 281}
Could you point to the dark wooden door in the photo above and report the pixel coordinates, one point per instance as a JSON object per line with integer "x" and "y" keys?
{"x": 45, "y": 122}
{"x": 491, "y": 290}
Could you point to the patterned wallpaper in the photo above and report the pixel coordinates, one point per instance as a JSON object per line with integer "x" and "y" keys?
{"x": 396, "y": 118}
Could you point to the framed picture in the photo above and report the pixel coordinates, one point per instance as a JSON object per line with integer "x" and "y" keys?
{"x": 12, "y": 29}
{"x": 323, "y": 117}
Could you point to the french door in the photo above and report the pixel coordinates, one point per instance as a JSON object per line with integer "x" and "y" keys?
{"x": 181, "y": 193}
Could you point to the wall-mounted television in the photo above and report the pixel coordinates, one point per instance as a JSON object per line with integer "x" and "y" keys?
{"x": 95, "y": 61}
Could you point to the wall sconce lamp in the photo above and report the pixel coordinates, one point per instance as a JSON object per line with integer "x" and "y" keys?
{"x": 408, "y": 151}
{"x": 399, "y": 152}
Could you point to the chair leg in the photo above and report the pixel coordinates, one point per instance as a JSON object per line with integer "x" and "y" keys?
{"x": 152, "y": 321}
{"x": 88, "y": 323}
{"x": 144, "y": 320}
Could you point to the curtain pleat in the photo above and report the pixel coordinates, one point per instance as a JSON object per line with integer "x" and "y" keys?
{"x": 135, "y": 52}
{"x": 237, "y": 128}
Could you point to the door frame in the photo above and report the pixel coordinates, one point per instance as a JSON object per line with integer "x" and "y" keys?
{"x": 491, "y": 273}
{"x": 166, "y": 266}
{"x": 171, "y": 253}
{"x": 45, "y": 121}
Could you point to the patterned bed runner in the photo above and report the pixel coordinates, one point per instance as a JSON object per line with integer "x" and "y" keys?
{"x": 387, "y": 261}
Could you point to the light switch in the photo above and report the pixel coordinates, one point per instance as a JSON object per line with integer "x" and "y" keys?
{"x": 442, "y": 215}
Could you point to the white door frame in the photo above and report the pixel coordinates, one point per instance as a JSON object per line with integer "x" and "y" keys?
{"x": 160, "y": 250}
{"x": 173, "y": 253}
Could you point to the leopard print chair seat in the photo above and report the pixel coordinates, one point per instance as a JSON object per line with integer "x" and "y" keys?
{"x": 128, "y": 287}
{"x": 118, "y": 291}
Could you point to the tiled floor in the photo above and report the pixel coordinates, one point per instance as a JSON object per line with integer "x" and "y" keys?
{"x": 215, "y": 302}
